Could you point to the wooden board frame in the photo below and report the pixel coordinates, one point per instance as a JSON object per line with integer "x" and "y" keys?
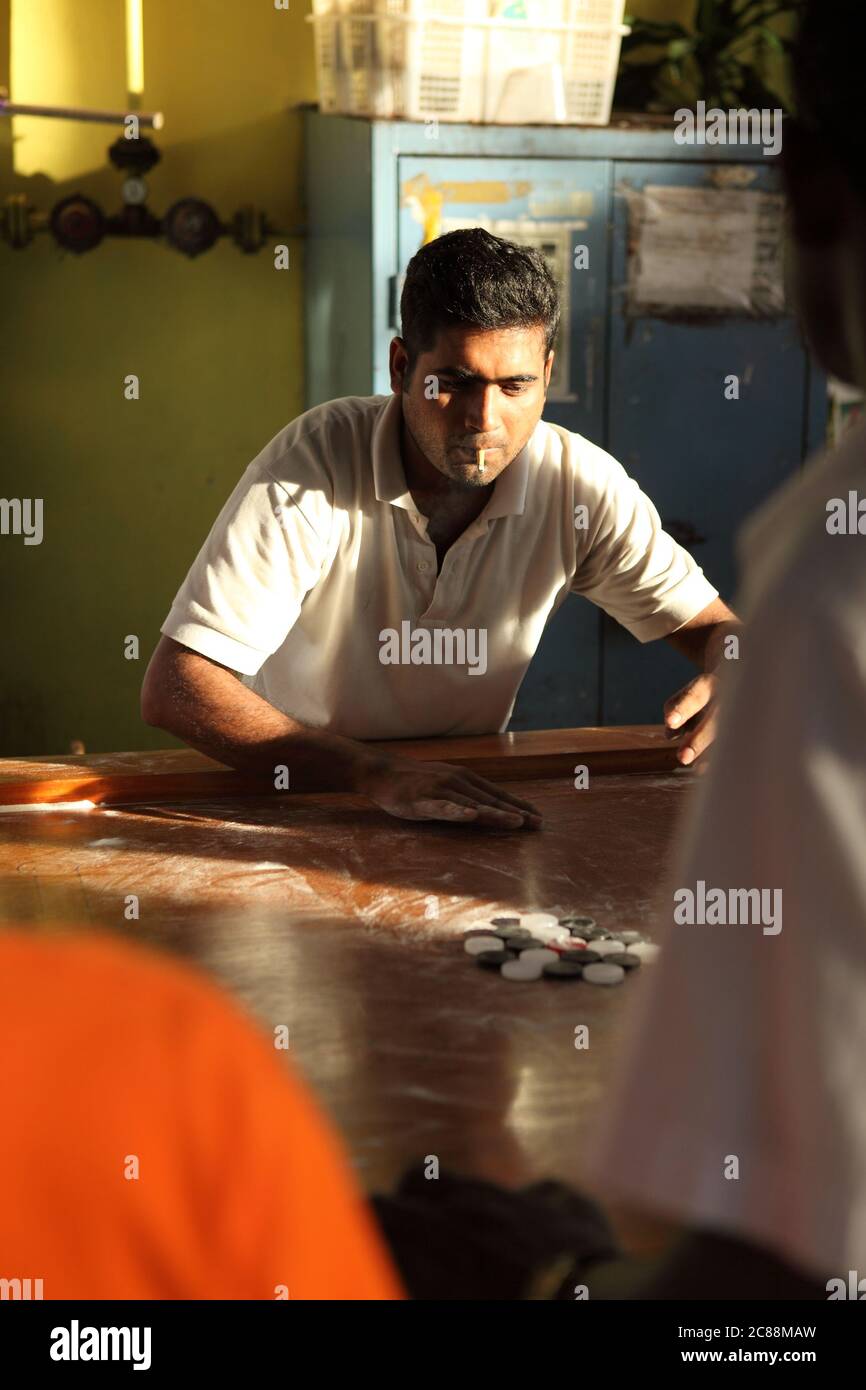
{"x": 181, "y": 774}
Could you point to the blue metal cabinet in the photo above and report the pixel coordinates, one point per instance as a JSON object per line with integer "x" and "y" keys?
{"x": 649, "y": 390}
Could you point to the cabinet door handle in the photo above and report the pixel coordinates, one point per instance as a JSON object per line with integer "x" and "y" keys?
{"x": 684, "y": 533}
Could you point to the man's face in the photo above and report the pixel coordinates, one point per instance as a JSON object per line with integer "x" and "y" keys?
{"x": 475, "y": 389}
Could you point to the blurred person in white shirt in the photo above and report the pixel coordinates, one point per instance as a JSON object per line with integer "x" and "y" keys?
{"x": 740, "y": 1115}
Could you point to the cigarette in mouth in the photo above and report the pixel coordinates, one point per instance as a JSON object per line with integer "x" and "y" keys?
{"x": 481, "y": 453}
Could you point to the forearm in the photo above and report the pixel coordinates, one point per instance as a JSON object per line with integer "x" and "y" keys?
{"x": 703, "y": 639}
{"x": 207, "y": 707}
{"x": 714, "y": 645}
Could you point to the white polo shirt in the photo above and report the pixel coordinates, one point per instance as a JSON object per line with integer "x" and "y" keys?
{"x": 742, "y": 1104}
{"x": 319, "y": 564}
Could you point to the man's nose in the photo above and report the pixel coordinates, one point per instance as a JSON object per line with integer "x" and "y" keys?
{"x": 481, "y": 417}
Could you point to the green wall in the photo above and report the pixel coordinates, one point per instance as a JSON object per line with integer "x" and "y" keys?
{"x": 130, "y": 487}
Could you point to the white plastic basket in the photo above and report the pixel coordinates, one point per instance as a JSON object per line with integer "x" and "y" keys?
{"x": 497, "y": 61}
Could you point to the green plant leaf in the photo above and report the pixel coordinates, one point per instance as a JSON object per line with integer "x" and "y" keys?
{"x": 746, "y": 48}
{"x": 756, "y": 11}
{"x": 772, "y": 40}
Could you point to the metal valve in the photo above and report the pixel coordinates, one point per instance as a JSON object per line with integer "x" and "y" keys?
{"x": 77, "y": 223}
{"x": 191, "y": 226}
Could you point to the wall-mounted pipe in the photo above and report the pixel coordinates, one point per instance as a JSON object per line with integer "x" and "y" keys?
{"x": 153, "y": 119}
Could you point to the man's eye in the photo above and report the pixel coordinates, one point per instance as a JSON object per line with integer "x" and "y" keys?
{"x": 515, "y": 389}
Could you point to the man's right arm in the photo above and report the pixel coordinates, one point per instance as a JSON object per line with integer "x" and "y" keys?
{"x": 208, "y": 707}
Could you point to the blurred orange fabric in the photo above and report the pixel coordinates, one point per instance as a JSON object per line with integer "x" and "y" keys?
{"x": 114, "y": 1055}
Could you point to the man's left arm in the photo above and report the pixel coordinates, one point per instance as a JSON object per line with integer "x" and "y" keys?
{"x": 692, "y": 710}
{"x": 632, "y": 568}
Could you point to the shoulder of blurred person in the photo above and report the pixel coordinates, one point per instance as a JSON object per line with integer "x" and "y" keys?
{"x": 791, "y": 549}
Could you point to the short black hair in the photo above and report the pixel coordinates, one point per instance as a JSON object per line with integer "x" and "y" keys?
{"x": 827, "y": 70}
{"x": 477, "y": 280}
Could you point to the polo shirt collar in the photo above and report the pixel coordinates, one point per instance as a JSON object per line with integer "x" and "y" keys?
{"x": 509, "y": 491}
{"x": 388, "y": 473}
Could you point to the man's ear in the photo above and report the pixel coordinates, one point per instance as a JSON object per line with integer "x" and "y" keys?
{"x": 815, "y": 184}
{"x": 548, "y": 368}
{"x": 398, "y": 362}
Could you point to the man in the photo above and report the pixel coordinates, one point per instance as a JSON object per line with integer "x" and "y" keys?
{"x": 373, "y": 576}
{"x": 742, "y": 1114}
